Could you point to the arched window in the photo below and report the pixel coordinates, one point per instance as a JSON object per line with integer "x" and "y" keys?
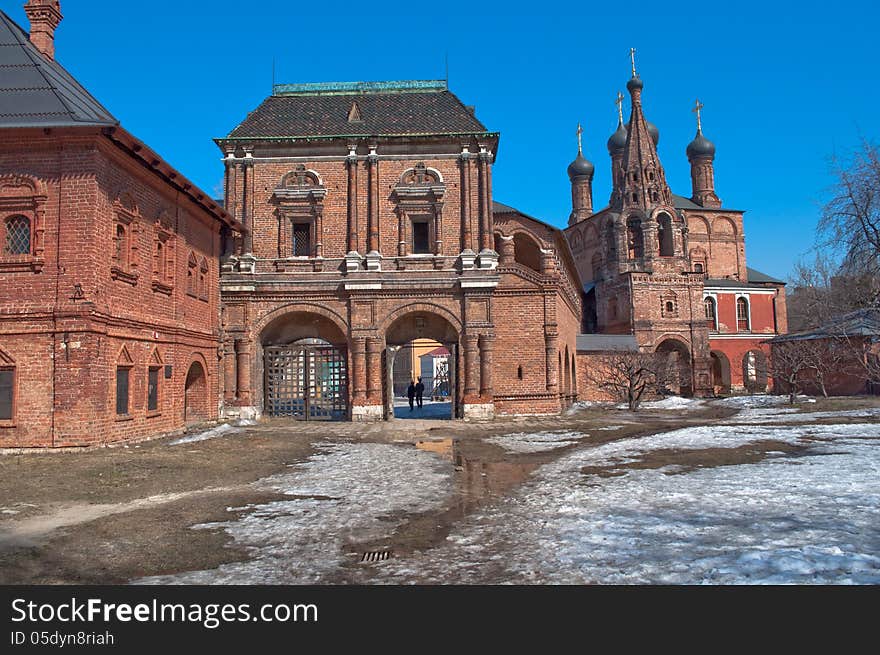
{"x": 635, "y": 245}
{"x": 711, "y": 316}
{"x": 7, "y": 389}
{"x": 120, "y": 245}
{"x": 698, "y": 267}
{"x": 18, "y": 236}
{"x": 203, "y": 279}
{"x": 669, "y": 305}
{"x": 192, "y": 276}
{"x": 742, "y": 315}
{"x": 665, "y": 239}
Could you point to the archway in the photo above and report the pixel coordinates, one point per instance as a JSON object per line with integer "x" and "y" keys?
{"x": 754, "y": 366}
{"x": 195, "y": 395}
{"x": 679, "y": 377}
{"x": 720, "y": 372}
{"x": 305, "y": 368}
{"x": 421, "y": 346}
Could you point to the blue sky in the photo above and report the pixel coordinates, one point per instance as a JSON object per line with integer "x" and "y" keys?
{"x": 785, "y": 85}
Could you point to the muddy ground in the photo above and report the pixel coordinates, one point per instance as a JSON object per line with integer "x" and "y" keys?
{"x": 112, "y": 515}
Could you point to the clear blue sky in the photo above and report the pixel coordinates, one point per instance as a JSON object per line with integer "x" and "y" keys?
{"x": 785, "y": 85}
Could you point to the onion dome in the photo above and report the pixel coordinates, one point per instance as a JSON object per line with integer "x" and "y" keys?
{"x": 634, "y": 83}
{"x": 580, "y": 167}
{"x": 700, "y": 147}
{"x": 618, "y": 139}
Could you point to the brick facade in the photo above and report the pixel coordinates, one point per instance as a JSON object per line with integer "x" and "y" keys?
{"x": 86, "y": 301}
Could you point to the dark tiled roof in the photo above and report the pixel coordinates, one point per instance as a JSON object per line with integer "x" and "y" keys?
{"x": 382, "y": 113}
{"x": 860, "y": 323}
{"x": 759, "y": 277}
{"x": 38, "y": 92}
{"x": 605, "y": 342}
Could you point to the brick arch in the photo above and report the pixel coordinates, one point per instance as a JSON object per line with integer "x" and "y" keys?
{"x": 18, "y": 180}
{"x": 429, "y": 308}
{"x": 590, "y": 232}
{"x": 671, "y": 336}
{"x": 301, "y": 307}
{"x": 695, "y": 222}
{"x": 541, "y": 243}
{"x": 723, "y": 226}
{"x": 196, "y": 389}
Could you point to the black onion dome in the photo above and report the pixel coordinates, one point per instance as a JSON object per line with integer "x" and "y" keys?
{"x": 634, "y": 83}
{"x": 654, "y": 132}
{"x": 700, "y": 146}
{"x": 618, "y": 139}
{"x": 580, "y": 167}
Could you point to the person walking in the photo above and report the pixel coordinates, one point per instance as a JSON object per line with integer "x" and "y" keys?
{"x": 420, "y": 392}
{"x": 411, "y": 394}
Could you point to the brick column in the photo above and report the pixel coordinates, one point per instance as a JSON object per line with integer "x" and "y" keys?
{"x": 229, "y": 372}
{"x": 352, "y": 200}
{"x": 401, "y": 232}
{"x": 507, "y": 254}
{"x": 247, "y": 174}
{"x": 486, "y": 389}
{"x": 438, "y": 229}
{"x": 551, "y": 346}
{"x": 471, "y": 366}
{"x": 373, "y": 195}
{"x": 485, "y": 201}
{"x": 374, "y": 371}
{"x": 243, "y": 370}
{"x": 358, "y": 370}
{"x": 466, "y": 236}
{"x": 319, "y": 230}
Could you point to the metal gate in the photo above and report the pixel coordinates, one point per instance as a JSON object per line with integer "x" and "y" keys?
{"x": 307, "y": 380}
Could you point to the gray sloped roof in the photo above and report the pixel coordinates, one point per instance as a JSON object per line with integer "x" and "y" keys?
{"x": 759, "y": 277}
{"x": 384, "y": 109}
{"x": 38, "y": 92}
{"x": 860, "y": 323}
{"x": 605, "y": 342}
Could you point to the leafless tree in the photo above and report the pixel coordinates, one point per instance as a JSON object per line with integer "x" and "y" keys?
{"x": 789, "y": 360}
{"x": 820, "y": 289}
{"x": 627, "y": 375}
{"x": 850, "y": 222}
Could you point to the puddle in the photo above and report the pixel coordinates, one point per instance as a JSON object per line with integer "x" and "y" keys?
{"x": 480, "y": 476}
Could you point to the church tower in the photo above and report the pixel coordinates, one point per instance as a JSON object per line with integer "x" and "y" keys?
{"x": 580, "y": 173}
{"x": 655, "y": 234}
{"x": 701, "y": 155}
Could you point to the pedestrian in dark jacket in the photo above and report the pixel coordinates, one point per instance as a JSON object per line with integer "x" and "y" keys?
{"x": 411, "y": 394}
{"x": 420, "y": 390}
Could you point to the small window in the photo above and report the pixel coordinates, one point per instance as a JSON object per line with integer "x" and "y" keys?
{"x": 698, "y": 267}
{"x": 18, "y": 236}
{"x": 120, "y": 245}
{"x": 742, "y": 315}
{"x": 7, "y": 380}
{"x": 709, "y": 304}
{"x": 302, "y": 240}
{"x": 421, "y": 243}
{"x": 153, "y": 389}
{"x": 122, "y": 391}
{"x": 670, "y": 307}
{"x": 519, "y": 372}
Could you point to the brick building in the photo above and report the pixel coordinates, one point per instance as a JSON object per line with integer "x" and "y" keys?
{"x": 109, "y": 302}
{"x": 370, "y": 223}
{"x": 667, "y": 269}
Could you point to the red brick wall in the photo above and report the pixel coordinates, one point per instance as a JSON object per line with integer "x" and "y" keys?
{"x": 84, "y": 175}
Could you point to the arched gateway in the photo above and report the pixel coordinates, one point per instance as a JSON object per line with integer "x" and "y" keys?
{"x": 305, "y": 368}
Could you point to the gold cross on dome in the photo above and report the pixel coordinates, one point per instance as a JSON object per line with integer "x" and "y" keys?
{"x": 698, "y": 106}
{"x": 580, "y": 131}
{"x": 632, "y": 57}
{"x": 619, "y": 103}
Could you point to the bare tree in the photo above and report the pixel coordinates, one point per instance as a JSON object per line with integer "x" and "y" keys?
{"x": 825, "y": 357}
{"x": 626, "y": 375}
{"x": 850, "y": 222}
{"x": 821, "y": 288}
{"x": 788, "y": 362}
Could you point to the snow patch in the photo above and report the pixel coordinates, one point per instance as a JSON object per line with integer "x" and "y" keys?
{"x": 535, "y": 442}
{"x": 345, "y": 494}
{"x": 214, "y": 432}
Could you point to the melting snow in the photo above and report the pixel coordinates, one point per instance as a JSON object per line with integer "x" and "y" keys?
{"x": 346, "y": 493}
{"x": 535, "y": 442}
{"x": 218, "y": 431}
{"x": 812, "y": 518}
